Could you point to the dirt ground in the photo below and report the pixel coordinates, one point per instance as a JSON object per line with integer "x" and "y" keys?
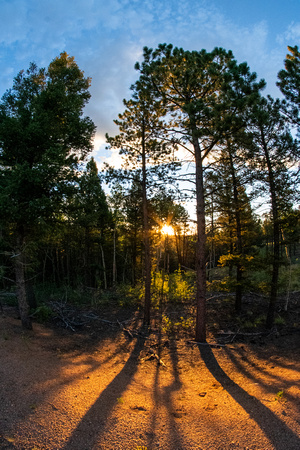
{"x": 100, "y": 388}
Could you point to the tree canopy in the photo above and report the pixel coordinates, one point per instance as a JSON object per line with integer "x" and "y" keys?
{"x": 43, "y": 138}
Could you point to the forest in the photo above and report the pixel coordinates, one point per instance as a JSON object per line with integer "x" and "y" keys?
{"x": 198, "y": 132}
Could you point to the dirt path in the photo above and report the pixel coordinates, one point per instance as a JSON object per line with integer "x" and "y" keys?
{"x": 66, "y": 391}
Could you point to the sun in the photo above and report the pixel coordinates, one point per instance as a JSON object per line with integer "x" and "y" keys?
{"x": 168, "y": 230}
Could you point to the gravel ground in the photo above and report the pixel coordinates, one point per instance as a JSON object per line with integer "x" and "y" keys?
{"x": 64, "y": 390}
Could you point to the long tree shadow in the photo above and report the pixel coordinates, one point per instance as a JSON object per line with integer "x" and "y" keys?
{"x": 163, "y": 397}
{"x": 271, "y": 382}
{"x": 95, "y": 420}
{"x": 285, "y": 438}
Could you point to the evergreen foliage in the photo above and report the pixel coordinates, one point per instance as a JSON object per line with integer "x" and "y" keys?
{"x": 43, "y": 137}
{"x": 61, "y": 232}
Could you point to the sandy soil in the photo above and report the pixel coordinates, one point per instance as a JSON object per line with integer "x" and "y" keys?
{"x": 101, "y": 389}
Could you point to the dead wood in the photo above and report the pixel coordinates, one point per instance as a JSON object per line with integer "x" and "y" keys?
{"x": 126, "y": 331}
{"x": 153, "y": 355}
{"x": 210, "y": 344}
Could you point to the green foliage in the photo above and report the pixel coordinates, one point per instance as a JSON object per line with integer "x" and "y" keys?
{"x": 43, "y": 139}
{"x": 43, "y": 136}
{"x": 42, "y": 313}
{"x": 58, "y": 210}
{"x": 181, "y": 286}
{"x": 226, "y": 284}
{"x": 160, "y": 287}
{"x": 177, "y": 287}
{"x": 289, "y": 83}
{"x": 294, "y": 273}
{"x": 99, "y": 298}
{"x": 279, "y": 321}
{"x": 280, "y": 396}
{"x": 250, "y": 322}
{"x": 233, "y": 260}
{"x": 128, "y": 295}
{"x": 9, "y": 299}
{"x": 175, "y": 326}
{"x": 123, "y": 295}
{"x": 50, "y": 292}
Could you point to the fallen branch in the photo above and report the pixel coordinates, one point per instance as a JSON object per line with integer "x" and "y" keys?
{"x": 68, "y": 325}
{"x": 65, "y": 314}
{"x": 215, "y": 297}
{"x": 108, "y": 322}
{"x": 125, "y": 329}
{"x": 210, "y": 344}
{"x": 153, "y": 355}
{"x": 238, "y": 333}
{"x": 231, "y": 335}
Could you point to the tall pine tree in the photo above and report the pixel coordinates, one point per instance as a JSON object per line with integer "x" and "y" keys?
{"x": 198, "y": 89}
{"x": 43, "y": 137}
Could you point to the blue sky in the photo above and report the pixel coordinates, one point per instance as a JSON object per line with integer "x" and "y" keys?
{"x": 106, "y": 37}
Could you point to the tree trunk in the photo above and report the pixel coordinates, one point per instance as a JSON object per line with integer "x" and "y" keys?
{"x": 20, "y": 280}
{"x": 114, "y": 281}
{"x": 200, "y": 246}
{"x": 147, "y": 305}
{"x": 87, "y": 258}
{"x": 239, "y": 243}
{"x": 276, "y": 240}
{"x": 275, "y": 276}
{"x": 104, "y": 267}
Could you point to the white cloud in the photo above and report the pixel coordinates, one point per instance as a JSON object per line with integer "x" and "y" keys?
{"x": 291, "y": 35}
{"x": 107, "y": 37}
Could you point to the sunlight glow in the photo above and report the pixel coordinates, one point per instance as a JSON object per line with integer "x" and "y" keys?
{"x": 168, "y": 230}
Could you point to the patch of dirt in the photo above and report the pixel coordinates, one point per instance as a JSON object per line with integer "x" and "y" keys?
{"x": 109, "y": 386}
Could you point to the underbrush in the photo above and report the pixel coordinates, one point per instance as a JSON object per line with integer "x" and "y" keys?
{"x": 173, "y": 300}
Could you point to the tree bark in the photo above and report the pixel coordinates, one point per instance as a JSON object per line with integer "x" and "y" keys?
{"x": 104, "y": 267}
{"x": 147, "y": 304}
{"x": 20, "y": 280}
{"x": 114, "y": 281}
{"x": 200, "y": 246}
{"x": 239, "y": 243}
{"x": 276, "y": 239}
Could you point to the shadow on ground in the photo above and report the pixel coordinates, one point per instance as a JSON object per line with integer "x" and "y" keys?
{"x": 264, "y": 418}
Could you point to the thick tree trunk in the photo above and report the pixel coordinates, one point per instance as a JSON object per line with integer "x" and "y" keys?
{"x": 200, "y": 247}
{"x": 20, "y": 280}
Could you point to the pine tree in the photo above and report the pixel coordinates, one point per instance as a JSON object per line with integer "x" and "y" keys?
{"x": 289, "y": 84}
{"x": 146, "y": 157}
{"x": 43, "y": 137}
{"x": 274, "y": 151}
{"x": 203, "y": 94}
